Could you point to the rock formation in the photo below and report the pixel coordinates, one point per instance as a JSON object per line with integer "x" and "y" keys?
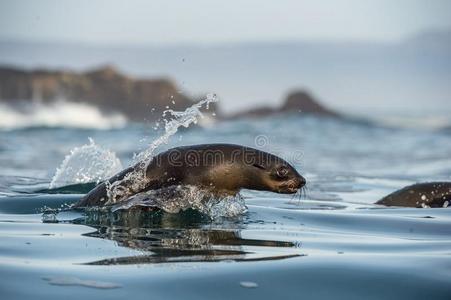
{"x": 106, "y": 88}
{"x": 139, "y": 100}
{"x": 298, "y": 102}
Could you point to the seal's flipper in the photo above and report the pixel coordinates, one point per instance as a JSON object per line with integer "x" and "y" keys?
{"x": 142, "y": 199}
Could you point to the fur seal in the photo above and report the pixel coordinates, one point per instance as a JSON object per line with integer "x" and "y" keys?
{"x": 223, "y": 169}
{"x": 430, "y": 194}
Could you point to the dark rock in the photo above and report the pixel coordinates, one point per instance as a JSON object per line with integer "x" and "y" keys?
{"x": 106, "y": 88}
{"x": 137, "y": 99}
{"x": 296, "y": 102}
{"x": 301, "y": 101}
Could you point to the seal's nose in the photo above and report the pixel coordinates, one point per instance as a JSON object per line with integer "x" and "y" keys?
{"x": 301, "y": 181}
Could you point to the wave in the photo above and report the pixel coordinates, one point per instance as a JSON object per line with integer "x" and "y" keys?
{"x": 58, "y": 114}
{"x": 427, "y": 122}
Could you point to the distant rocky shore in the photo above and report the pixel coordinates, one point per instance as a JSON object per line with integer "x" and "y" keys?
{"x": 298, "y": 102}
{"x": 137, "y": 99}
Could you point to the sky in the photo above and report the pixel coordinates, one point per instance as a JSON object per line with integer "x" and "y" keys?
{"x": 407, "y": 82}
{"x": 163, "y": 22}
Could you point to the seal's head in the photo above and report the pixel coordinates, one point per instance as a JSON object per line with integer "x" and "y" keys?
{"x": 271, "y": 173}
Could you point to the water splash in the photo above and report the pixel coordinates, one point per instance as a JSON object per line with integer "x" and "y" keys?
{"x": 180, "y": 198}
{"x": 136, "y": 180}
{"x": 91, "y": 163}
{"x": 88, "y": 163}
{"x": 179, "y": 119}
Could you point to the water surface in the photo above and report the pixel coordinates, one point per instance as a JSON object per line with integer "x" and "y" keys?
{"x": 334, "y": 243}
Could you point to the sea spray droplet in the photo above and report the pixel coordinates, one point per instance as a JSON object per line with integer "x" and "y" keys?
{"x": 88, "y": 163}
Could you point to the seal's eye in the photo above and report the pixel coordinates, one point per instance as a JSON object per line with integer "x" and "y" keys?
{"x": 282, "y": 172}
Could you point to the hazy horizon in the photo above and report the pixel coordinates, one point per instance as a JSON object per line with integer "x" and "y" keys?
{"x": 352, "y": 55}
{"x": 300, "y": 40}
{"x": 174, "y": 22}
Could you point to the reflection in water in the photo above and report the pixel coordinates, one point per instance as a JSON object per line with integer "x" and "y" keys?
{"x": 185, "y": 237}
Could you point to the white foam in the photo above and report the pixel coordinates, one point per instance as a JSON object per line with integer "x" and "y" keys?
{"x": 58, "y": 114}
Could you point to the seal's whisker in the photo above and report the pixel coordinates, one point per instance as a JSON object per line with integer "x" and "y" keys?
{"x": 306, "y": 190}
{"x": 292, "y": 197}
{"x": 303, "y": 193}
{"x": 299, "y": 195}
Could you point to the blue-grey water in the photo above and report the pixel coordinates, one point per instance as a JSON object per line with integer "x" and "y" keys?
{"x": 332, "y": 243}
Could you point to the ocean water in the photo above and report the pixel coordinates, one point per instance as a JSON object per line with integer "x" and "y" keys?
{"x": 332, "y": 243}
